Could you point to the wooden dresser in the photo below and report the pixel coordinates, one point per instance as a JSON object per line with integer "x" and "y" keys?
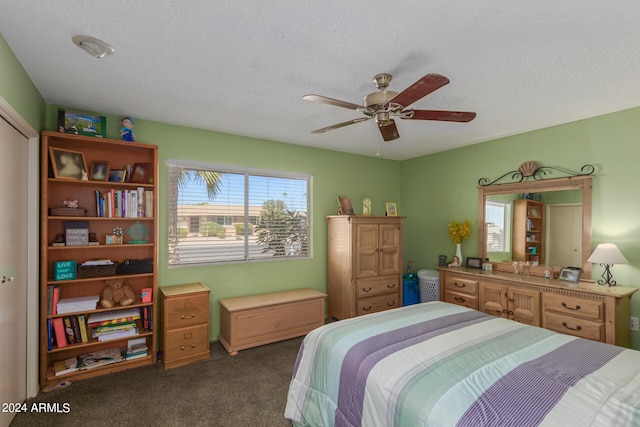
{"x": 254, "y": 320}
{"x": 585, "y": 309}
{"x": 364, "y": 270}
{"x": 185, "y": 318}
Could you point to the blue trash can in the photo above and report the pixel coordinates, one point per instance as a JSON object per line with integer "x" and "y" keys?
{"x": 410, "y": 289}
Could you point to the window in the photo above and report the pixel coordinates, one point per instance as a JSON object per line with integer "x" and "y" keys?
{"x": 498, "y": 220}
{"x": 221, "y": 214}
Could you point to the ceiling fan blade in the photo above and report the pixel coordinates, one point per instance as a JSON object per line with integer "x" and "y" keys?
{"x": 421, "y": 88}
{"x": 389, "y": 132}
{"x": 331, "y": 101}
{"x": 445, "y": 116}
{"x": 340, "y": 125}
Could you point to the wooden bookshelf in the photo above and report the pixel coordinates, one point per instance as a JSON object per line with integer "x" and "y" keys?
{"x": 55, "y": 190}
{"x": 528, "y": 231}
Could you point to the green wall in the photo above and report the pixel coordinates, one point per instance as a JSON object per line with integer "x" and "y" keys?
{"x": 17, "y": 89}
{"x": 431, "y": 190}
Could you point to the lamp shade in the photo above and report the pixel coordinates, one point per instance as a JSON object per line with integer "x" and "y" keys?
{"x": 607, "y": 253}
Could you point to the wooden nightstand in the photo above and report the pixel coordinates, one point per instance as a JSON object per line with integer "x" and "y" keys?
{"x": 185, "y": 329}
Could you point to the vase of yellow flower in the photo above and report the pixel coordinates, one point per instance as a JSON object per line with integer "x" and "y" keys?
{"x": 458, "y": 233}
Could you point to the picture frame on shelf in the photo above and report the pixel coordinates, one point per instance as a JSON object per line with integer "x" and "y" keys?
{"x": 99, "y": 170}
{"x": 67, "y": 164}
{"x": 392, "y": 210}
{"x": 79, "y": 123}
{"x": 140, "y": 173}
{"x": 474, "y": 262}
{"x": 570, "y": 275}
{"x": 533, "y": 212}
{"x": 117, "y": 175}
{"x": 113, "y": 239}
{"x": 346, "y": 207}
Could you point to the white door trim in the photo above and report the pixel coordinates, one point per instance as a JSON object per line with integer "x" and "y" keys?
{"x": 33, "y": 240}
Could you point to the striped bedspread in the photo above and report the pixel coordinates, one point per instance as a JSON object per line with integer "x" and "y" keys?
{"x": 438, "y": 364}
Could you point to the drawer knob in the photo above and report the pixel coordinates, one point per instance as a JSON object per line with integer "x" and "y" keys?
{"x": 366, "y": 308}
{"x": 391, "y": 285}
{"x": 188, "y": 348}
{"x": 459, "y": 285}
{"x": 577, "y": 328}
{"x": 460, "y": 300}
{"x": 366, "y": 289}
{"x": 183, "y": 317}
{"x": 391, "y": 304}
{"x": 577, "y": 307}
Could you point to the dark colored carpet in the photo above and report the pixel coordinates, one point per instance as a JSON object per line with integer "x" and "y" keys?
{"x": 249, "y": 389}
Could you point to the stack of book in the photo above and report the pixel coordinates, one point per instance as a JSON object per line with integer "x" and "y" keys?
{"x": 99, "y": 358}
{"x": 71, "y": 305}
{"x": 114, "y": 324}
{"x": 136, "y": 348}
{"x": 67, "y": 330}
{"x": 66, "y": 366}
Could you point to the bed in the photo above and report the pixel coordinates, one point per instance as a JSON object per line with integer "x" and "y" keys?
{"x": 439, "y": 364}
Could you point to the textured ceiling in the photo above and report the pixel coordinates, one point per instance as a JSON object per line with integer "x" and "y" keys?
{"x": 242, "y": 66}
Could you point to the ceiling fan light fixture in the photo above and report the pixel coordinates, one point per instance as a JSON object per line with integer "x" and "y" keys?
{"x": 94, "y": 47}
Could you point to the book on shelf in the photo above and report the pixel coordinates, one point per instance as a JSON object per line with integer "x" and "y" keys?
{"x": 76, "y": 329}
{"x": 97, "y": 262}
{"x": 55, "y": 299}
{"x": 82, "y": 323}
{"x": 136, "y": 348}
{"x": 113, "y": 316}
{"x": 70, "y": 305}
{"x": 99, "y": 358}
{"x": 147, "y": 318}
{"x": 66, "y": 366}
{"x": 61, "y": 335}
{"x": 50, "y": 335}
{"x": 68, "y": 329}
{"x": 49, "y": 299}
{"x": 116, "y": 335}
{"x": 123, "y": 203}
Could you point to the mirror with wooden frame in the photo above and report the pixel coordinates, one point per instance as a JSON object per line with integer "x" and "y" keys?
{"x": 528, "y": 232}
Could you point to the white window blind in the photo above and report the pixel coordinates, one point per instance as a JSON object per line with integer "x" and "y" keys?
{"x": 498, "y": 221}
{"x": 221, "y": 214}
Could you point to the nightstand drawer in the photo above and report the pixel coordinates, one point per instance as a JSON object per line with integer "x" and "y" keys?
{"x": 571, "y": 306}
{"x": 186, "y": 311}
{"x": 186, "y": 342}
{"x": 573, "y": 326}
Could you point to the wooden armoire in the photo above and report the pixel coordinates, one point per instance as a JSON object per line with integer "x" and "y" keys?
{"x": 364, "y": 264}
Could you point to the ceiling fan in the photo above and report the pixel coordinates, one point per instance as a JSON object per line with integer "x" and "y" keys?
{"x": 385, "y": 104}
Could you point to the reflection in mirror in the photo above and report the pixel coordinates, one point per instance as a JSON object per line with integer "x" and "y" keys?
{"x": 553, "y": 229}
{"x": 560, "y": 236}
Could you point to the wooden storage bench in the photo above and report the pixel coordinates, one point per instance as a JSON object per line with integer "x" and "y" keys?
{"x": 255, "y": 320}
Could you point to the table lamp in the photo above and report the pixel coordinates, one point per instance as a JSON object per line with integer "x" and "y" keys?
{"x": 607, "y": 254}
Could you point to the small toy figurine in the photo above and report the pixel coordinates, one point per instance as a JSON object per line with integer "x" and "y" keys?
{"x": 366, "y": 206}
{"x": 127, "y": 129}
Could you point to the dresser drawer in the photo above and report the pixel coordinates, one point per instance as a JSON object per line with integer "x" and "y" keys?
{"x": 186, "y": 342}
{"x": 378, "y": 303}
{"x": 574, "y": 326}
{"x": 587, "y": 309}
{"x": 461, "y": 285}
{"x": 186, "y": 311}
{"x": 366, "y": 288}
{"x": 464, "y": 300}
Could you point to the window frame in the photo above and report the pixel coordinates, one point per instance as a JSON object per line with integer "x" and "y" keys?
{"x": 247, "y": 172}
{"x": 507, "y": 215}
